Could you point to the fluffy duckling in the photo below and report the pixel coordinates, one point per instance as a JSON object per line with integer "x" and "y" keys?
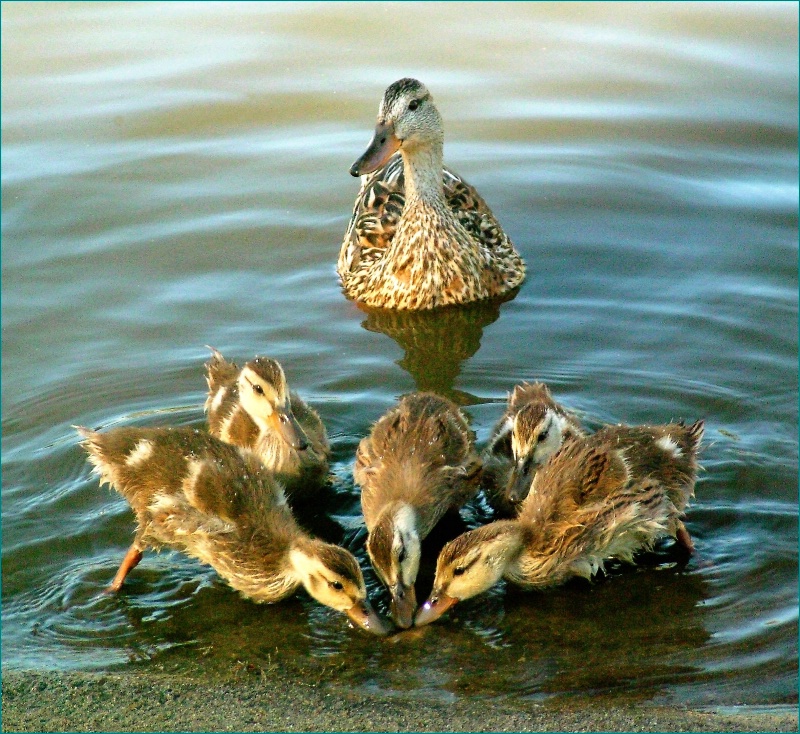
{"x": 532, "y": 429}
{"x": 417, "y": 464}
{"x": 252, "y": 408}
{"x": 219, "y": 504}
{"x": 420, "y": 237}
{"x": 604, "y": 496}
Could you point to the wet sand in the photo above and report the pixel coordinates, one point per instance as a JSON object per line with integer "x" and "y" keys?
{"x": 136, "y": 701}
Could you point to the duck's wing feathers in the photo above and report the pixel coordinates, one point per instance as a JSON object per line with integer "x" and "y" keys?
{"x": 375, "y": 216}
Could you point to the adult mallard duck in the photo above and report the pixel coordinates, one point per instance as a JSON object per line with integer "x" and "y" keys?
{"x": 252, "y": 408}
{"x": 417, "y": 463}
{"x": 220, "y": 505}
{"x": 532, "y": 429}
{"x": 600, "y": 497}
{"x": 420, "y": 236}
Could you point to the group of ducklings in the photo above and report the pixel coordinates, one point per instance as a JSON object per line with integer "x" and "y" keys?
{"x": 572, "y": 500}
{"x": 419, "y": 238}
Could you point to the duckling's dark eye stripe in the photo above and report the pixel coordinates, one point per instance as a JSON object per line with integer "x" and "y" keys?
{"x": 463, "y": 569}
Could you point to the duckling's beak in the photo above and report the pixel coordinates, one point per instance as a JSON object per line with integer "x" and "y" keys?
{"x": 404, "y": 604}
{"x": 435, "y": 607}
{"x": 383, "y": 144}
{"x": 520, "y": 483}
{"x": 290, "y": 429}
{"x": 363, "y": 615}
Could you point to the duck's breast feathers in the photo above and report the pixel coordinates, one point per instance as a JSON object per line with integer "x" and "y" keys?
{"x": 379, "y": 207}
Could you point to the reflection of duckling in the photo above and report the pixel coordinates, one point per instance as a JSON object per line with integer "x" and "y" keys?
{"x": 253, "y": 409}
{"x": 532, "y": 429}
{"x": 604, "y": 496}
{"x": 420, "y": 236}
{"x": 219, "y": 504}
{"x": 417, "y": 464}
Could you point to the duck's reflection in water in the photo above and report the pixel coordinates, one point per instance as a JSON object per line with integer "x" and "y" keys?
{"x": 436, "y": 343}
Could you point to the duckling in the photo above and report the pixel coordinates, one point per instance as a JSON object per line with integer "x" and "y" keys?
{"x": 532, "y": 429}
{"x": 420, "y": 236}
{"x": 252, "y": 408}
{"x": 603, "y": 496}
{"x": 219, "y": 504}
{"x": 417, "y": 463}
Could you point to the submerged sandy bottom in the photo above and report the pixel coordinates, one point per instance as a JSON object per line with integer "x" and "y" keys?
{"x": 271, "y": 702}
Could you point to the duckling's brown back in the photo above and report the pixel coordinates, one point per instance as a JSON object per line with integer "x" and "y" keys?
{"x": 423, "y": 422}
{"x": 666, "y": 453}
{"x": 420, "y": 452}
{"x": 213, "y": 477}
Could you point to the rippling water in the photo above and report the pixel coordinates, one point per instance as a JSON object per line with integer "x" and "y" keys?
{"x": 175, "y": 175}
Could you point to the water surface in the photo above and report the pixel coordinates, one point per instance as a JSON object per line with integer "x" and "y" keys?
{"x": 175, "y": 175}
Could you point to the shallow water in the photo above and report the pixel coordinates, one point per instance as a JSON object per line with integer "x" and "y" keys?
{"x": 175, "y": 175}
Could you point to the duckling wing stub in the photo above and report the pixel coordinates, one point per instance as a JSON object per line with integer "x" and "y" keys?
{"x": 219, "y": 371}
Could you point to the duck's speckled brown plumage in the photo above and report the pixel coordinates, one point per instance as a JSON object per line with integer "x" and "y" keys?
{"x": 529, "y": 406}
{"x": 220, "y": 505}
{"x": 418, "y": 457}
{"x": 301, "y": 471}
{"x": 604, "y": 496}
{"x": 420, "y": 237}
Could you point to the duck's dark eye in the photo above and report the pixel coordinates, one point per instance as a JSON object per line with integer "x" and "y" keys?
{"x": 459, "y": 571}
{"x": 401, "y": 556}
{"x": 336, "y": 585}
{"x": 543, "y": 435}
{"x": 258, "y": 390}
{"x": 413, "y": 104}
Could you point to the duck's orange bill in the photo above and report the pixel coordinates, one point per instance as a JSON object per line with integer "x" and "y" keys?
{"x": 434, "y": 608}
{"x": 404, "y": 604}
{"x": 289, "y": 429}
{"x": 364, "y": 616}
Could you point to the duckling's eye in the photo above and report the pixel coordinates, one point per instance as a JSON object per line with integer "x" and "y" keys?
{"x": 459, "y": 571}
{"x": 413, "y": 104}
{"x": 258, "y": 390}
{"x": 401, "y": 556}
{"x": 543, "y": 435}
{"x": 336, "y": 585}
{"x": 503, "y": 445}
